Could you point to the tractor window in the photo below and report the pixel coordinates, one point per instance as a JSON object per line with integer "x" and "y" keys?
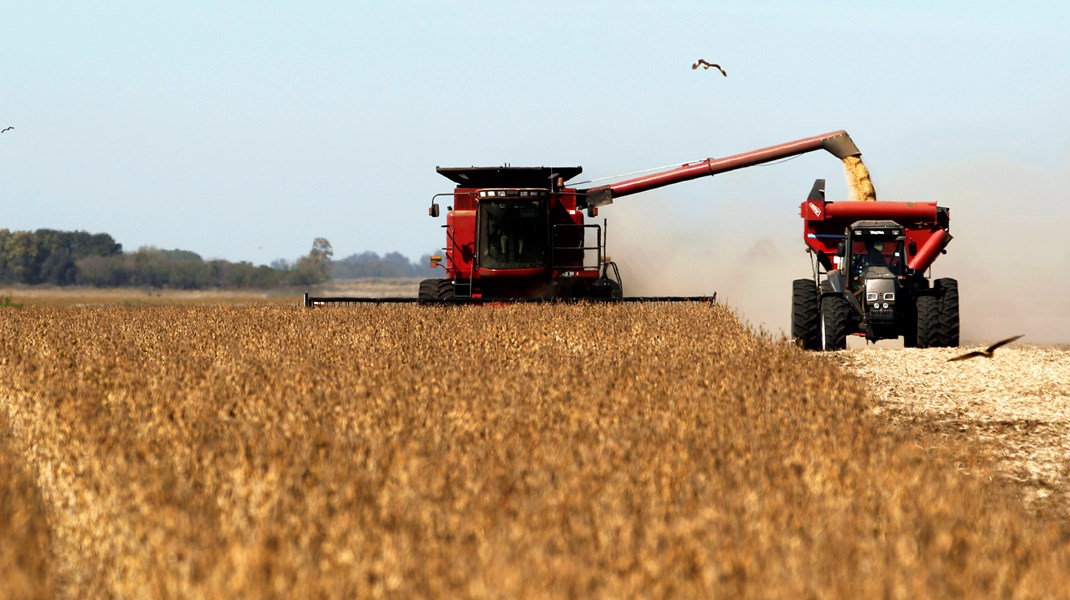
{"x": 876, "y": 256}
{"x": 513, "y": 233}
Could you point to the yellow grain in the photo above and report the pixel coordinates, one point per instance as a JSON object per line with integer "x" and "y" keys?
{"x": 858, "y": 179}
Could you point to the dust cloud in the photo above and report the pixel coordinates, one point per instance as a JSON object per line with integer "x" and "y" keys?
{"x": 1010, "y": 252}
{"x": 660, "y": 254}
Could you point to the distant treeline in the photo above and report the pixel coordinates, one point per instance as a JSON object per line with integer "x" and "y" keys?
{"x": 53, "y": 257}
{"x": 392, "y": 265}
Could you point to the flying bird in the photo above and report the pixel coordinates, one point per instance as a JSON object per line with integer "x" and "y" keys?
{"x": 706, "y": 65}
{"x": 8, "y": 129}
{"x": 987, "y": 352}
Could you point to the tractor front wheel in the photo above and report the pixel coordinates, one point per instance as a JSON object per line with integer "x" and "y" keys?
{"x": 835, "y": 315}
{"x": 805, "y": 314}
{"x": 930, "y": 331}
{"x": 948, "y": 290}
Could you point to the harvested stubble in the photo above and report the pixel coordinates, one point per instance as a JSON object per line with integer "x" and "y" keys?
{"x": 580, "y": 450}
{"x": 1017, "y": 404}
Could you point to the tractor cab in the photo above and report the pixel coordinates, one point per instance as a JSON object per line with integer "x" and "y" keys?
{"x": 872, "y": 260}
{"x": 876, "y": 251}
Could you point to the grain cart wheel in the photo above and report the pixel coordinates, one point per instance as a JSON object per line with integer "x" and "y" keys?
{"x": 948, "y": 290}
{"x": 835, "y": 313}
{"x": 805, "y": 314}
{"x": 930, "y": 329}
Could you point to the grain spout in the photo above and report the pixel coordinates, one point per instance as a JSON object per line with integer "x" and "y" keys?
{"x": 858, "y": 179}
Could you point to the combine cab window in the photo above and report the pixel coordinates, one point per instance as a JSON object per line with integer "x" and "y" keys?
{"x": 513, "y": 233}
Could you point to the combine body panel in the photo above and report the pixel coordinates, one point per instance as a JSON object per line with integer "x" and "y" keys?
{"x": 870, "y": 263}
{"x": 520, "y": 233}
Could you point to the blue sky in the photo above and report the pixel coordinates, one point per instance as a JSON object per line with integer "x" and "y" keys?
{"x": 243, "y": 130}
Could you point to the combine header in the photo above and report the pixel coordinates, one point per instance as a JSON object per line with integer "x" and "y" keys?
{"x": 869, "y": 274}
{"x": 519, "y": 232}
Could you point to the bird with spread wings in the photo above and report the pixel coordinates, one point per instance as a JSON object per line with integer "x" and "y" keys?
{"x": 987, "y": 352}
{"x": 6, "y": 130}
{"x": 706, "y": 65}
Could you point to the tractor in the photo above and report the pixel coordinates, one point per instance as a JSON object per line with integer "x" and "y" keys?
{"x": 870, "y": 263}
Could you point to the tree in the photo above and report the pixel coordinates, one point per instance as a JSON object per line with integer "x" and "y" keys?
{"x": 316, "y": 267}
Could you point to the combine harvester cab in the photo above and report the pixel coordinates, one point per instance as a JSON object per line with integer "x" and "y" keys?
{"x": 518, "y": 233}
{"x": 870, "y": 263}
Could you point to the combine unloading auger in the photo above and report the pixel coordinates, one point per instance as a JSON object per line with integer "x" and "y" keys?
{"x": 519, "y": 234}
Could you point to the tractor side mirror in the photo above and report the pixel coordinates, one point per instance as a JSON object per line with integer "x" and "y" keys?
{"x": 433, "y": 211}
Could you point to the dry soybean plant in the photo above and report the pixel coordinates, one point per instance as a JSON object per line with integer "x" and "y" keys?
{"x": 579, "y": 450}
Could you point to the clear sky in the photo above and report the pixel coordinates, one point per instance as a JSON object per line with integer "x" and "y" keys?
{"x": 242, "y": 130}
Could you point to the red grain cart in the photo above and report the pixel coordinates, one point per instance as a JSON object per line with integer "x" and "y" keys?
{"x": 870, "y": 263}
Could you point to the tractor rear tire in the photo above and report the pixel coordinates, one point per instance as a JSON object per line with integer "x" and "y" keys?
{"x": 805, "y": 314}
{"x": 930, "y": 333}
{"x": 835, "y": 315}
{"x": 948, "y": 290}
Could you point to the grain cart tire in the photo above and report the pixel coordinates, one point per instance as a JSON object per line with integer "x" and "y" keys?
{"x": 948, "y": 290}
{"x": 805, "y": 314}
{"x": 930, "y": 327}
{"x": 835, "y": 314}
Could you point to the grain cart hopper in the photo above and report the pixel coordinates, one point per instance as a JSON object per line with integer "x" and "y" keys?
{"x": 869, "y": 274}
{"x": 519, "y": 232}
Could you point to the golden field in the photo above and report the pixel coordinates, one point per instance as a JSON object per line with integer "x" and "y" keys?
{"x": 648, "y": 450}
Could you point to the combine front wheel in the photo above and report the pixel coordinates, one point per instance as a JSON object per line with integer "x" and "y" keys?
{"x": 445, "y": 290}
{"x": 436, "y": 289}
{"x": 428, "y": 289}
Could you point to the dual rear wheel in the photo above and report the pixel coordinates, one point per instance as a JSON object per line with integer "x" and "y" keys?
{"x": 937, "y": 317}
{"x": 818, "y": 323}
{"x": 823, "y": 323}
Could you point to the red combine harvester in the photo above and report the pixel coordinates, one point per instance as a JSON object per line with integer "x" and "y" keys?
{"x": 518, "y": 233}
{"x": 869, "y": 274}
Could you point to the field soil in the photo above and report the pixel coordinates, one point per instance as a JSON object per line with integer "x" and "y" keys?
{"x": 658, "y": 450}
